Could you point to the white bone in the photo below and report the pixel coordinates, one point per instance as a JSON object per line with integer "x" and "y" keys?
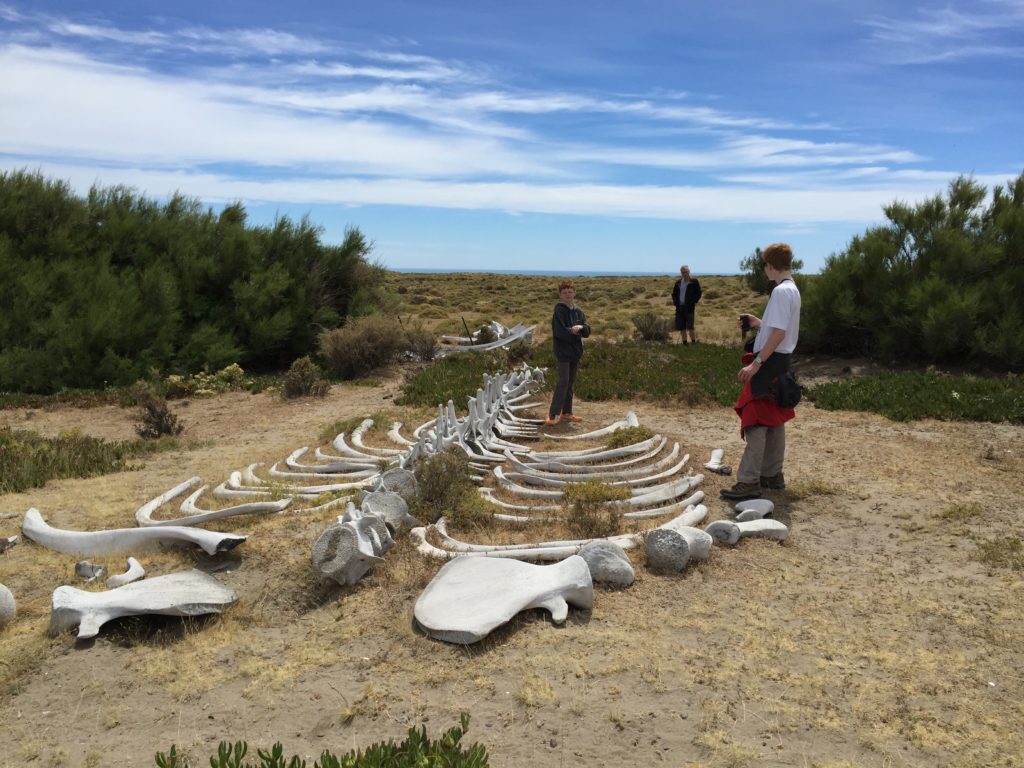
{"x": 188, "y": 593}
{"x": 357, "y": 440}
{"x": 597, "y": 454}
{"x": 766, "y": 528}
{"x": 134, "y": 573}
{"x": 146, "y": 510}
{"x": 355, "y": 469}
{"x": 547, "y": 551}
{"x": 8, "y": 606}
{"x": 576, "y": 473}
{"x": 764, "y": 506}
{"x": 109, "y": 542}
{"x": 629, "y": 421}
{"x": 469, "y": 598}
{"x": 195, "y": 515}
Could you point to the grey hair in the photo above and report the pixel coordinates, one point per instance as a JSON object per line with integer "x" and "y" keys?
{"x": 686, "y": 267}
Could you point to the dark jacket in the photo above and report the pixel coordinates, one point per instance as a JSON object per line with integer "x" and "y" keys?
{"x": 568, "y": 345}
{"x": 693, "y": 294}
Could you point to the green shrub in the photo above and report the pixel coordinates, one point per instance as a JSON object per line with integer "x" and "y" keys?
{"x": 421, "y": 342}
{"x": 117, "y": 285}
{"x": 304, "y": 379}
{"x": 517, "y": 353}
{"x": 940, "y": 283}
{"x": 485, "y": 335}
{"x": 649, "y": 326}
{"x": 28, "y": 460}
{"x": 416, "y": 751}
{"x": 228, "y": 379}
{"x": 588, "y": 513}
{"x": 155, "y": 417}
{"x": 445, "y": 489}
{"x": 361, "y": 345}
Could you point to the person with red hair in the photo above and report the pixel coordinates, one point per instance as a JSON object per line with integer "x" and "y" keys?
{"x": 762, "y": 417}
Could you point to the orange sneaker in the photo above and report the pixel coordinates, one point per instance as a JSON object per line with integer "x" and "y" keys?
{"x": 551, "y": 421}
{"x": 570, "y": 417}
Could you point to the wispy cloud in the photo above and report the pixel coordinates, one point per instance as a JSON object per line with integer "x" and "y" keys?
{"x": 300, "y": 120}
{"x": 988, "y": 30}
{"x": 670, "y": 202}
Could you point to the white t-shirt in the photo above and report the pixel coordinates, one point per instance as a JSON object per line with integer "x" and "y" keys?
{"x": 783, "y": 311}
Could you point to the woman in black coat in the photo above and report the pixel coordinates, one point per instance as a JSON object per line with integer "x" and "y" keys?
{"x": 569, "y": 328}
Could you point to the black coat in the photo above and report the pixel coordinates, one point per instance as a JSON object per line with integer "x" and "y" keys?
{"x": 693, "y": 294}
{"x": 568, "y": 345}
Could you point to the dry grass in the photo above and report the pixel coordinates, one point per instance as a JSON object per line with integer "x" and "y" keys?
{"x": 441, "y": 302}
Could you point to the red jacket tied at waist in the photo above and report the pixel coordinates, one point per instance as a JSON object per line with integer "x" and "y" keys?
{"x": 759, "y": 411}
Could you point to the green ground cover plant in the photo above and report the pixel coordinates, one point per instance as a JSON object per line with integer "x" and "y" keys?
{"x": 631, "y": 370}
{"x": 416, "y": 751}
{"x": 77, "y": 398}
{"x": 28, "y": 460}
{"x": 907, "y": 395}
{"x": 449, "y": 378}
{"x": 706, "y": 373}
{"x": 624, "y": 370}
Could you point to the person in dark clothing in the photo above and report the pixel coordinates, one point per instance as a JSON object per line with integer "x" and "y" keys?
{"x": 569, "y": 328}
{"x": 686, "y": 294}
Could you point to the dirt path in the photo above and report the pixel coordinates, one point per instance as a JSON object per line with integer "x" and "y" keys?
{"x": 874, "y": 637}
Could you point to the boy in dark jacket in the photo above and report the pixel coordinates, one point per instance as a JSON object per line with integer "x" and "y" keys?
{"x": 568, "y": 329}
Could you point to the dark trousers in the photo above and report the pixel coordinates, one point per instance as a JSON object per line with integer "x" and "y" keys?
{"x": 561, "y": 401}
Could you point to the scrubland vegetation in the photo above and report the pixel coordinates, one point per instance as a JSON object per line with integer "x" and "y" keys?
{"x": 102, "y": 290}
{"x": 810, "y": 653}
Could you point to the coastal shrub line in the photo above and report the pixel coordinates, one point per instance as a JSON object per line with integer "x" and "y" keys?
{"x": 106, "y": 288}
{"x": 706, "y": 373}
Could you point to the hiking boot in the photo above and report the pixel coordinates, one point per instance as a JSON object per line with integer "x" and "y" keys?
{"x": 570, "y": 417}
{"x": 741, "y": 492}
{"x": 774, "y": 483}
{"x": 551, "y": 421}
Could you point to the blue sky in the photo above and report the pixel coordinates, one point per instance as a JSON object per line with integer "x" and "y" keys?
{"x": 564, "y": 136}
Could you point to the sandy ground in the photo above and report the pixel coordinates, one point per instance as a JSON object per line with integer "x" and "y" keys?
{"x": 875, "y": 636}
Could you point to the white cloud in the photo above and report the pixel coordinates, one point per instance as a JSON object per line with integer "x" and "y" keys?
{"x": 64, "y": 105}
{"x": 349, "y": 127}
{"x": 738, "y": 204}
{"x": 988, "y": 30}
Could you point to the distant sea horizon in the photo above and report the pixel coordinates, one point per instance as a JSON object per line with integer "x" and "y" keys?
{"x": 536, "y": 272}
